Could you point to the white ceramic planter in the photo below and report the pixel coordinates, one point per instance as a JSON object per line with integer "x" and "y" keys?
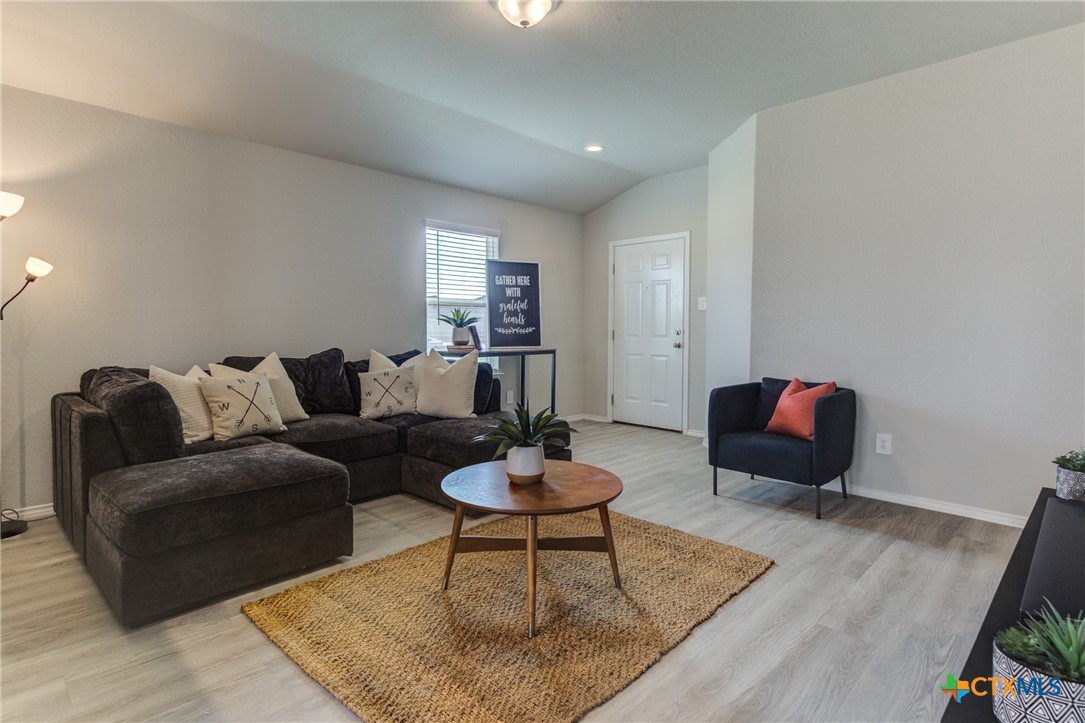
{"x": 460, "y": 336}
{"x": 525, "y": 465}
{"x": 1037, "y": 697}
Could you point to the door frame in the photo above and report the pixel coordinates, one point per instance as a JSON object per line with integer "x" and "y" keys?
{"x": 684, "y": 235}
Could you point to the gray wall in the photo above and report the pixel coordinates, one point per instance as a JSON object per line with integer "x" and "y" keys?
{"x": 665, "y": 204}
{"x": 175, "y": 247}
{"x": 731, "y": 173}
{"x": 920, "y": 238}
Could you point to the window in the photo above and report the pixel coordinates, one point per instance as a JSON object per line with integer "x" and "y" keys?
{"x": 456, "y": 278}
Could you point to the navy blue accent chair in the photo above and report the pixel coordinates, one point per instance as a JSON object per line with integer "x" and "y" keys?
{"x": 737, "y": 440}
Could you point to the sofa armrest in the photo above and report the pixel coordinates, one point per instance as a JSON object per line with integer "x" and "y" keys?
{"x": 84, "y": 444}
{"x": 730, "y": 409}
{"x": 834, "y": 435}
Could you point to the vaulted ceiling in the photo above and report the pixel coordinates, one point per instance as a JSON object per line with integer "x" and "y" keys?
{"x": 449, "y": 92}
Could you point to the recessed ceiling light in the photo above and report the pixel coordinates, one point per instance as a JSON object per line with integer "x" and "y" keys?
{"x": 593, "y": 148}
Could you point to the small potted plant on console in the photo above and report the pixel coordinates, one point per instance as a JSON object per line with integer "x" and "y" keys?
{"x": 1043, "y": 661}
{"x": 1070, "y": 477}
{"x": 525, "y": 441}
{"x": 459, "y": 320}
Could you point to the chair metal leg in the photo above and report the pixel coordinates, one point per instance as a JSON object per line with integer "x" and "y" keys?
{"x": 817, "y": 501}
{"x": 714, "y": 471}
{"x": 751, "y": 476}
{"x": 843, "y": 486}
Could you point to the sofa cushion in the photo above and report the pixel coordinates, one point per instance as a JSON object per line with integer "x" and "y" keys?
{"x": 342, "y": 437}
{"x": 767, "y": 454}
{"x": 150, "y": 508}
{"x": 404, "y": 423}
{"x": 144, "y": 416}
{"x": 326, "y": 387}
{"x": 451, "y": 441}
{"x": 484, "y": 382}
{"x": 221, "y": 445}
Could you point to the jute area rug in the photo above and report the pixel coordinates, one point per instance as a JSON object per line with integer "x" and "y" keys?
{"x": 385, "y": 640}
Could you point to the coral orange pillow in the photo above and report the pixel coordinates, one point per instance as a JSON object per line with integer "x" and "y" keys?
{"x": 794, "y": 415}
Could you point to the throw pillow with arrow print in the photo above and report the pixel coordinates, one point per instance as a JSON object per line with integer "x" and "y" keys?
{"x": 241, "y": 404}
{"x": 387, "y": 393}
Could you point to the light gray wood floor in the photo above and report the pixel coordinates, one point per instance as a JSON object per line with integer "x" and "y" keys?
{"x": 860, "y": 619}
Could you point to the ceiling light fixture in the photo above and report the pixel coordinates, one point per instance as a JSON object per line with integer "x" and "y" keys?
{"x": 524, "y": 13}
{"x": 593, "y": 148}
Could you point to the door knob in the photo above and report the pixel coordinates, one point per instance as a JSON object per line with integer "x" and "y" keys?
{"x": 677, "y": 345}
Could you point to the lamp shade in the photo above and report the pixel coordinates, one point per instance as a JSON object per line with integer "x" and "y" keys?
{"x": 10, "y": 203}
{"x": 524, "y": 13}
{"x": 38, "y": 268}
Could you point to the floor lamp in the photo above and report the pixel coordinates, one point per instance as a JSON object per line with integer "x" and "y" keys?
{"x": 10, "y": 203}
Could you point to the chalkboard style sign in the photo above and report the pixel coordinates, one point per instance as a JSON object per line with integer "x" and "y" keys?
{"x": 512, "y": 297}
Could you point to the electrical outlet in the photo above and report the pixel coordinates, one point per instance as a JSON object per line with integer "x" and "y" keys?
{"x": 702, "y": 303}
{"x": 883, "y": 443}
{"x": 509, "y": 398}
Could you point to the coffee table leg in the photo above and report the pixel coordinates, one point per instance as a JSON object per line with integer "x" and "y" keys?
{"x": 452, "y": 542}
{"x": 532, "y": 551}
{"x": 604, "y": 517}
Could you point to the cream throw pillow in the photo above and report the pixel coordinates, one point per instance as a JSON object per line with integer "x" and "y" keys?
{"x": 387, "y": 393}
{"x": 379, "y": 362}
{"x": 448, "y": 391}
{"x": 241, "y": 404}
{"x": 286, "y": 397}
{"x": 186, "y": 394}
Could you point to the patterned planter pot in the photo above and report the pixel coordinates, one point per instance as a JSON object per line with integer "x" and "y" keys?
{"x": 1070, "y": 485}
{"x": 1037, "y": 698}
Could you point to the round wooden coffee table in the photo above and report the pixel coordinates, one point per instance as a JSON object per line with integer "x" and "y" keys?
{"x": 567, "y": 487}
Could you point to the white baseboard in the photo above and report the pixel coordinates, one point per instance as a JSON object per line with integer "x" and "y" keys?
{"x": 37, "y": 512}
{"x": 695, "y": 433}
{"x": 586, "y": 418}
{"x": 952, "y": 508}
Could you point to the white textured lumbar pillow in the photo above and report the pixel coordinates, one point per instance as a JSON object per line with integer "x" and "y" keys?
{"x": 282, "y": 388}
{"x": 387, "y": 393}
{"x": 186, "y": 394}
{"x": 241, "y": 404}
{"x": 448, "y": 391}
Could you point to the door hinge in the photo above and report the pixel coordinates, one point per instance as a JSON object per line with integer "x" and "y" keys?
{"x": 612, "y": 399}
{"x": 612, "y": 269}
{"x": 612, "y": 335}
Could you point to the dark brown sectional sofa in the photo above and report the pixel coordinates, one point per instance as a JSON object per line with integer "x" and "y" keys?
{"x": 164, "y": 526}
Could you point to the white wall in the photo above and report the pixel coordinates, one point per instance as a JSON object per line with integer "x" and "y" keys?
{"x": 731, "y": 172}
{"x": 173, "y": 246}
{"x": 674, "y": 202}
{"x": 920, "y": 238}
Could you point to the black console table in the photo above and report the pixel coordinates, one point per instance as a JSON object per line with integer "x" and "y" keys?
{"x": 523, "y": 352}
{"x": 1004, "y": 611}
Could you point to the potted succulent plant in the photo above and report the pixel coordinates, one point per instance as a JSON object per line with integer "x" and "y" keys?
{"x": 459, "y": 320}
{"x": 525, "y": 441}
{"x": 1039, "y": 669}
{"x": 1070, "y": 477}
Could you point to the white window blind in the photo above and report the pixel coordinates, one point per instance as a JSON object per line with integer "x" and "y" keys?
{"x": 456, "y": 278}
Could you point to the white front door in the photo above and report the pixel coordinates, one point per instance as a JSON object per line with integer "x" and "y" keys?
{"x": 649, "y": 331}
